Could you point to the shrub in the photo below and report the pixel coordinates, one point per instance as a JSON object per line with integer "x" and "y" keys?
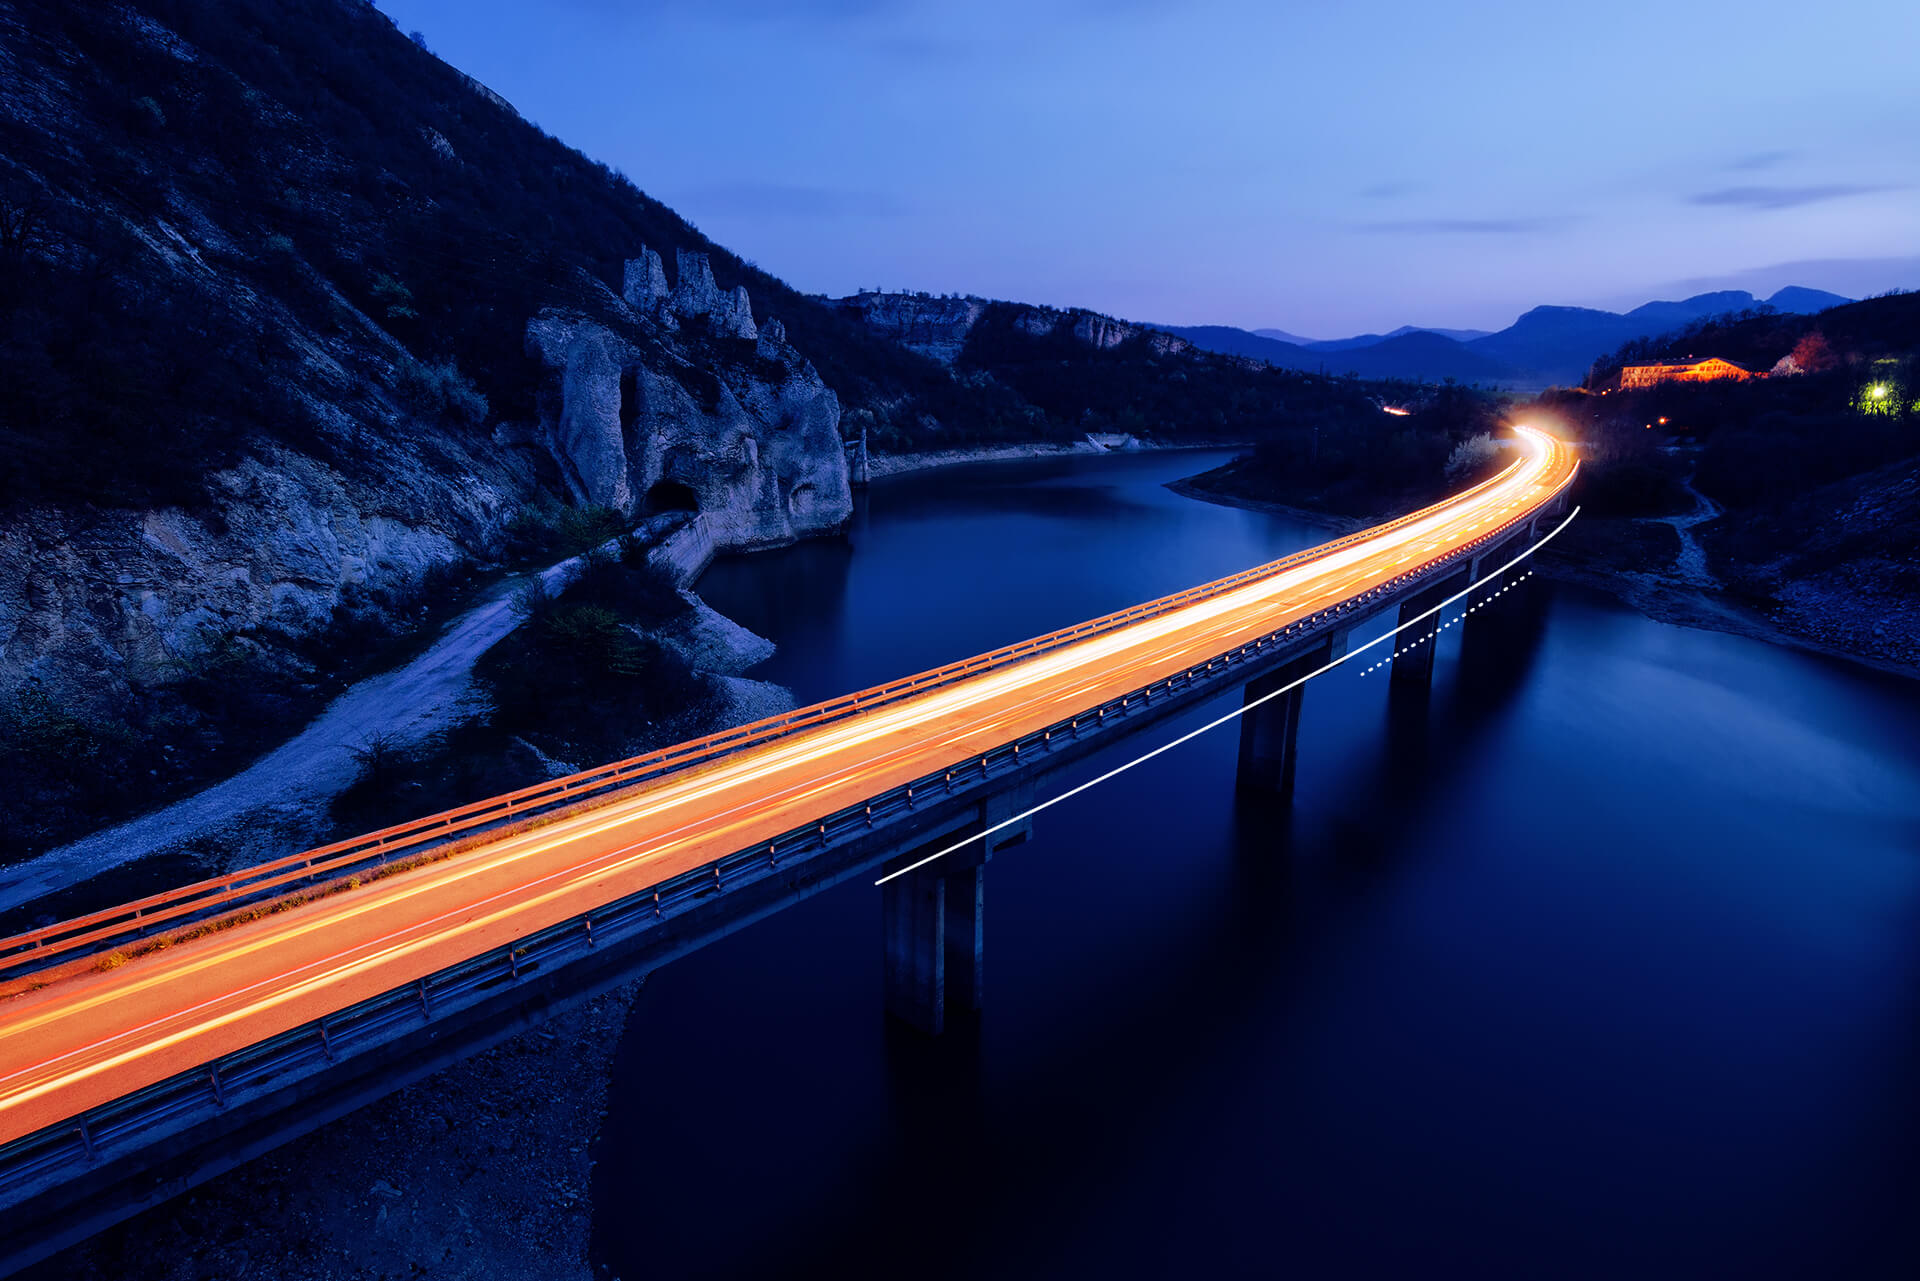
{"x": 439, "y": 393}
{"x": 1472, "y": 459}
{"x": 549, "y": 528}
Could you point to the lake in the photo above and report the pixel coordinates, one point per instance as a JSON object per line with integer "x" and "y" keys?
{"x": 1602, "y": 960}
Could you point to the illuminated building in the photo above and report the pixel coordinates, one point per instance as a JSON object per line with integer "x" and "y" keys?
{"x": 1705, "y": 369}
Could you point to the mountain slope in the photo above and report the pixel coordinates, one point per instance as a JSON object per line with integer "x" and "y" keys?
{"x": 1803, "y": 301}
{"x": 1545, "y": 346}
{"x": 1370, "y": 340}
{"x": 1417, "y": 355}
{"x": 301, "y": 327}
{"x": 1240, "y": 342}
{"x": 1281, "y": 335}
{"x": 1428, "y": 357}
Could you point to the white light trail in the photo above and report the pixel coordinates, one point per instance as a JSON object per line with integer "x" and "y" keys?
{"x": 1237, "y": 712}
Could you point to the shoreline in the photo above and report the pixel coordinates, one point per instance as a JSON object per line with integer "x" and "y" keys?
{"x": 1663, "y": 598}
{"x": 888, "y": 466}
{"x": 1678, "y": 603}
{"x": 1186, "y": 488}
{"x": 336, "y": 1200}
{"x": 347, "y": 1200}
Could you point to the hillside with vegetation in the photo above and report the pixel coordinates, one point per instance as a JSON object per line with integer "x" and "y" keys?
{"x": 190, "y": 190}
{"x": 1379, "y": 460}
{"x": 1546, "y": 346}
{"x": 1814, "y": 468}
{"x": 307, "y": 336}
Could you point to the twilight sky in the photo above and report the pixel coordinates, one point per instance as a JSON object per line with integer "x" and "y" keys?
{"x": 1326, "y": 168}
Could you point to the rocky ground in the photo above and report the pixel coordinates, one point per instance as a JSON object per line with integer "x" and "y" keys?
{"x": 1845, "y": 586}
{"x": 1855, "y": 605}
{"x": 279, "y": 800}
{"x": 480, "y": 1172}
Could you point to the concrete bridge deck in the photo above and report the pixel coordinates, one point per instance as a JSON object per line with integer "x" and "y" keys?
{"x": 122, "y": 1086}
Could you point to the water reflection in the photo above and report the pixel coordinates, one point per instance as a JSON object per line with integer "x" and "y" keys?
{"x": 1602, "y": 961}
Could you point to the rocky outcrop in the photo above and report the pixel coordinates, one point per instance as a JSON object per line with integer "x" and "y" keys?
{"x": 695, "y": 296}
{"x": 934, "y": 327}
{"x": 646, "y": 282}
{"x": 939, "y": 327}
{"x": 694, "y": 293}
{"x": 773, "y": 337}
{"x": 655, "y": 418}
{"x": 93, "y": 605}
{"x": 588, "y": 439}
{"x": 1097, "y": 331}
{"x": 739, "y": 321}
{"x": 709, "y": 641}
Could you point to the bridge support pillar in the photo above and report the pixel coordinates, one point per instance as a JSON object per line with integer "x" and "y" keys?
{"x": 933, "y": 923}
{"x": 1413, "y": 659}
{"x": 1269, "y": 734}
{"x": 1486, "y": 579}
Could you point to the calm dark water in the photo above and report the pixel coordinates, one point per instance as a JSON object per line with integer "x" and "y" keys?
{"x": 1604, "y": 962}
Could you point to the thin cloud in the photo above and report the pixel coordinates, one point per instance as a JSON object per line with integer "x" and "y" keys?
{"x": 1759, "y": 160}
{"x": 1388, "y": 190}
{"x": 1783, "y": 197}
{"x": 1466, "y": 226}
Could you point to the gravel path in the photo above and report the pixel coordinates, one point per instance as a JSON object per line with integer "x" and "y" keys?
{"x": 1690, "y": 565}
{"x": 424, "y": 696}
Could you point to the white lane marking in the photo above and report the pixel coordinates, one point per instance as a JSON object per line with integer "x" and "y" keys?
{"x": 1227, "y": 604}
{"x": 1237, "y": 712}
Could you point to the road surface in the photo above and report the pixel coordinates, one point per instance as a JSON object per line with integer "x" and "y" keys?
{"x": 96, "y": 1034}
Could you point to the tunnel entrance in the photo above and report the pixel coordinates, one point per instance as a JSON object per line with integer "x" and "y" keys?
{"x": 671, "y": 496}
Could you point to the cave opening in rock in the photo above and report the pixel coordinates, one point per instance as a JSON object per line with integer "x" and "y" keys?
{"x": 629, "y": 400}
{"x": 672, "y": 496}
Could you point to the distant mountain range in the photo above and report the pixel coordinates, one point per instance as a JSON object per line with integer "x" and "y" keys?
{"x": 1547, "y": 345}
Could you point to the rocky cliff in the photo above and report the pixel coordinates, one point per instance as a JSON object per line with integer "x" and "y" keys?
{"x": 939, "y": 327}
{"x": 678, "y": 399}
{"x": 278, "y": 378}
{"x": 935, "y": 327}
{"x": 297, "y": 320}
{"x": 96, "y": 605}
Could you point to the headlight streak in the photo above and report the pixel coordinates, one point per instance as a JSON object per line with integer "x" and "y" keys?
{"x": 380, "y": 935}
{"x": 1236, "y": 713}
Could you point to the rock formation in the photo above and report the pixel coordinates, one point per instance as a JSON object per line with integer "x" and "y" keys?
{"x": 645, "y": 287}
{"x": 694, "y": 296}
{"x": 646, "y": 424}
{"x": 694, "y": 293}
{"x": 92, "y": 604}
{"x": 739, "y": 322}
{"x": 934, "y": 327}
{"x": 938, "y": 327}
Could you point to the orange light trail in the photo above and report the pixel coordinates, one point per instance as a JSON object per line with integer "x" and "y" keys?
{"x": 92, "y": 1035}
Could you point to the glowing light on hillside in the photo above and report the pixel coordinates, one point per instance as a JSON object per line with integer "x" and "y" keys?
{"x": 1878, "y": 391}
{"x": 1396, "y": 411}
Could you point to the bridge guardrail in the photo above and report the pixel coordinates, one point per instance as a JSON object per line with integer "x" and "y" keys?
{"x": 188, "y": 904}
{"x": 83, "y": 1138}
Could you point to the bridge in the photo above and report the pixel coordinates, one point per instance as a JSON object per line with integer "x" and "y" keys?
{"x": 147, "y": 1047}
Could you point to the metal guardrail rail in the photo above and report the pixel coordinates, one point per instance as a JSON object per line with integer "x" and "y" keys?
{"x": 199, "y": 900}
{"x": 97, "y": 1133}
